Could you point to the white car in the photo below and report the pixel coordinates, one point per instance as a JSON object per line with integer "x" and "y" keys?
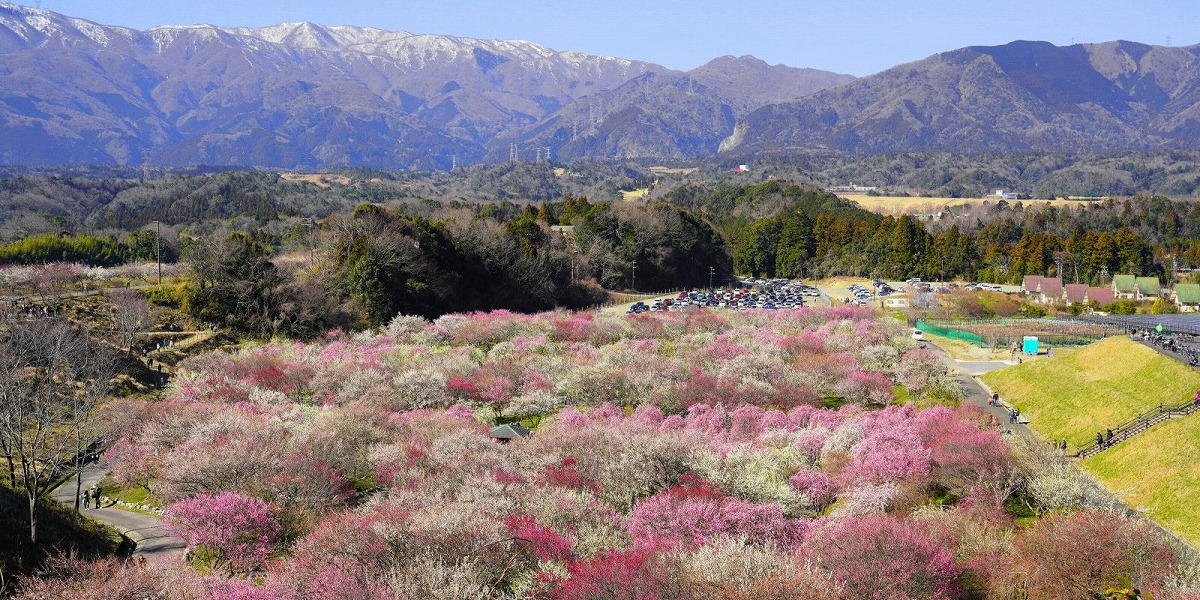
{"x": 917, "y": 334}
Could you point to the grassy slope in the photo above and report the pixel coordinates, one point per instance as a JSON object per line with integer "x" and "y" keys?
{"x": 1077, "y": 393}
{"x": 1158, "y": 472}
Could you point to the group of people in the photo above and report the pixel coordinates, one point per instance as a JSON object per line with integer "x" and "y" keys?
{"x": 20, "y": 309}
{"x": 1103, "y": 439}
{"x": 90, "y": 497}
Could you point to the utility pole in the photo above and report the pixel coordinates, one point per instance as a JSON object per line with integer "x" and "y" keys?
{"x": 634, "y": 285}
{"x": 158, "y": 248}
{"x": 711, "y": 271}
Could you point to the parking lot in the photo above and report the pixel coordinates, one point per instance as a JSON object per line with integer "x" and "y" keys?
{"x": 774, "y": 294}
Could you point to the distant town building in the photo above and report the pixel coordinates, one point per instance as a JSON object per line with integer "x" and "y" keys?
{"x": 1076, "y": 293}
{"x": 1030, "y": 283}
{"x": 852, "y": 188}
{"x": 742, "y": 169}
{"x": 1050, "y": 290}
{"x": 1003, "y": 195}
{"x": 1043, "y": 290}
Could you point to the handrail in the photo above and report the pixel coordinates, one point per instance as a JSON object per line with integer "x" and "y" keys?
{"x": 1141, "y": 422}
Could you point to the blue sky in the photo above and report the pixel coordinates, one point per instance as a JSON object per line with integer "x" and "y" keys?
{"x": 859, "y": 37}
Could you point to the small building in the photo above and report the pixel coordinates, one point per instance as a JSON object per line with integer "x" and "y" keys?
{"x": 1187, "y": 297}
{"x": 1125, "y": 287}
{"x": 1076, "y": 293}
{"x": 1050, "y": 290}
{"x": 1148, "y": 287}
{"x": 896, "y": 302}
{"x": 1102, "y": 296}
{"x": 1003, "y": 195}
{"x": 507, "y": 432}
{"x": 1030, "y": 283}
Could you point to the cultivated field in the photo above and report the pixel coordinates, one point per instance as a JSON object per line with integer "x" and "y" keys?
{"x": 897, "y": 205}
{"x": 1080, "y": 392}
{"x": 637, "y": 194}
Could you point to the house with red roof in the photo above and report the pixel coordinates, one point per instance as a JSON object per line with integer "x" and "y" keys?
{"x": 1101, "y": 295}
{"x": 1050, "y": 290}
{"x": 1076, "y": 293}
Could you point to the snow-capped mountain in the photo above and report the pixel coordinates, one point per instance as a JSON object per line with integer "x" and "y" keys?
{"x": 303, "y": 95}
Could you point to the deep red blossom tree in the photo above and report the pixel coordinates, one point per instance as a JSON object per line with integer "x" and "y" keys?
{"x": 543, "y": 542}
{"x": 637, "y": 574}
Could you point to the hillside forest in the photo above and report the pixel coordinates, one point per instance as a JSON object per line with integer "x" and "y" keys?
{"x": 365, "y": 254}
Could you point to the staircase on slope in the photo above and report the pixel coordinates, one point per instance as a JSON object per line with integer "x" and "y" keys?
{"x": 1137, "y": 425}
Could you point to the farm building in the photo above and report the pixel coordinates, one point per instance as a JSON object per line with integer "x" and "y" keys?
{"x": 1187, "y": 297}
{"x": 1125, "y": 287}
{"x": 1148, "y": 287}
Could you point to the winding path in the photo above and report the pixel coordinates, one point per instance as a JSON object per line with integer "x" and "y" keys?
{"x": 146, "y": 531}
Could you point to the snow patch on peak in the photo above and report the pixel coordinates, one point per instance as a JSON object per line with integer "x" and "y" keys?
{"x": 101, "y": 34}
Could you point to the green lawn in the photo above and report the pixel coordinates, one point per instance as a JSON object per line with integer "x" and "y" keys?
{"x": 1079, "y": 392}
{"x": 1157, "y": 472}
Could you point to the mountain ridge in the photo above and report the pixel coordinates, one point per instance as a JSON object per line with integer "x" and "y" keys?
{"x": 308, "y": 96}
{"x": 1025, "y": 95}
{"x": 304, "y": 95}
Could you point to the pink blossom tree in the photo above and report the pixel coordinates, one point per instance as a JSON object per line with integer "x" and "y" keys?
{"x": 240, "y": 531}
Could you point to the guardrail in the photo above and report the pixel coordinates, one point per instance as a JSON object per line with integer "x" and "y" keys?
{"x": 1137, "y": 425}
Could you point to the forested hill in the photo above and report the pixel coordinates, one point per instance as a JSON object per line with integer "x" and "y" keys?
{"x": 780, "y": 229}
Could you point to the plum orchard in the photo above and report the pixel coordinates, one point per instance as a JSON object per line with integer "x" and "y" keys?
{"x": 677, "y": 455}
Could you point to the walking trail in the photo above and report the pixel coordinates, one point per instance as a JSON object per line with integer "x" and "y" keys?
{"x": 978, "y": 393}
{"x": 146, "y": 531}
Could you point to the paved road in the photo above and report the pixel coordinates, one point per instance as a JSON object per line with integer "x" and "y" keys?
{"x": 145, "y": 531}
{"x": 978, "y": 393}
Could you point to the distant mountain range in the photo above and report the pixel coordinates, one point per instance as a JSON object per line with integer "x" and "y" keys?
{"x": 1022, "y": 96}
{"x": 306, "y": 96}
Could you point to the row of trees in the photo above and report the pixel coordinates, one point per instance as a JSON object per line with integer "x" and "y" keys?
{"x": 90, "y": 250}
{"x": 53, "y": 376}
